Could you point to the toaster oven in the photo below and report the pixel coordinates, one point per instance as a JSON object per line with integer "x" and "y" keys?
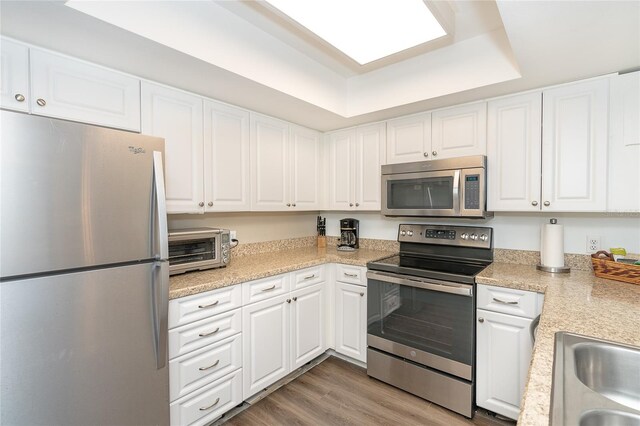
{"x": 196, "y": 249}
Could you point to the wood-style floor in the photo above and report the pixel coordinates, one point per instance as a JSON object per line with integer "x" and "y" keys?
{"x": 337, "y": 392}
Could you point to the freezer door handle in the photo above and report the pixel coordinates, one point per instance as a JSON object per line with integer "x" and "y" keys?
{"x": 163, "y": 231}
{"x": 160, "y": 295}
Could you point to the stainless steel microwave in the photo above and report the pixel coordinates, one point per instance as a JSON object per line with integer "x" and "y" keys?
{"x": 196, "y": 249}
{"x": 454, "y": 187}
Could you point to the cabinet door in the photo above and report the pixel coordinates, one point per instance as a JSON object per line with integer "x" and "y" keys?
{"x": 409, "y": 139}
{"x": 306, "y": 176}
{"x": 176, "y": 116}
{"x": 370, "y": 145}
{"x": 514, "y": 133}
{"x": 269, "y": 163}
{"x": 341, "y": 169}
{"x": 351, "y": 321}
{"x": 265, "y": 335}
{"x": 307, "y": 325}
{"x": 459, "y": 131}
{"x": 504, "y": 348}
{"x": 574, "y": 147}
{"x": 14, "y": 76}
{"x": 226, "y": 158}
{"x": 75, "y": 90}
{"x": 624, "y": 144}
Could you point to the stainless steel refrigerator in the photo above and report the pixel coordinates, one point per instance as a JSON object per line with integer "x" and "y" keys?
{"x": 83, "y": 275}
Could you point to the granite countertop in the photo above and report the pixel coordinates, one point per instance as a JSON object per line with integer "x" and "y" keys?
{"x": 577, "y": 302}
{"x": 253, "y": 267}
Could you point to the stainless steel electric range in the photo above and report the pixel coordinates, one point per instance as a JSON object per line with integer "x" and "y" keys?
{"x": 420, "y": 309}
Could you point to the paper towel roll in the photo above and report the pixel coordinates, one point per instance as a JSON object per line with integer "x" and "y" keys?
{"x": 552, "y": 245}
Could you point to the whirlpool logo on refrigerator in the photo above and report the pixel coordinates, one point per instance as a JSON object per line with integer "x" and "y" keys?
{"x": 135, "y": 150}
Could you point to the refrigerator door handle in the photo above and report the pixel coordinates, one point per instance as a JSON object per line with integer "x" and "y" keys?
{"x": 163, "y": 231}
{"x": 160, "y": 295}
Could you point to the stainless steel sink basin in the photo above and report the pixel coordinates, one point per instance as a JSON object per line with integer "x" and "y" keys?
{"x": 595, "y": 382}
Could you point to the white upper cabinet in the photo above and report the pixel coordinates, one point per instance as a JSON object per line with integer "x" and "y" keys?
{"x": 269, "y": 163}
{"x": 306, "y": 169}
{"x": 354, "y": 159}
{"x": 514, "y": 138}
{"x": 226, "y": 158}
{"x": 574, "y": 146}
{"x": 14, "y": 75}
{"x": 75, "y": 90}
{"x": 409, "y": 139}
{"x": 176, "y": 116}
{"x": 459, "y": 131}
{"x": 624, "y": 144}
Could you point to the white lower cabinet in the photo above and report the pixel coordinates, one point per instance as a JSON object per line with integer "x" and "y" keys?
{"x": 351, "y": 320}
{"x": 307, "y": 324}
{"x": 503, "y": 347}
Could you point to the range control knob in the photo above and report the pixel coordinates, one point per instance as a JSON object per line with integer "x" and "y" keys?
{"x": 464, "y": 236}
{"x": 403, "y": 233}
{"x": 473, "y": 237}
{"x": 410, "y": 233}
{"x": 483, "y": 237}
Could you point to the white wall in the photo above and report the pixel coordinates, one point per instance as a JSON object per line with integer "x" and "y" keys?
{"x": 519, "y": 231}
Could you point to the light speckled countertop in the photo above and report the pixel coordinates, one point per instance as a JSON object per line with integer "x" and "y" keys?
{"x": 253, "y": 267}
{"x": 577, "y": 302}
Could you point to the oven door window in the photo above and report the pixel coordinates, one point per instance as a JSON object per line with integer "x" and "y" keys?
{"x": 192, "y": 251}
{"x": 425, "y": 193}
{"x": 428, "y": 320}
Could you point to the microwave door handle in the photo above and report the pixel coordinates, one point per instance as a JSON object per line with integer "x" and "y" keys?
{"x": 456, "y": 192}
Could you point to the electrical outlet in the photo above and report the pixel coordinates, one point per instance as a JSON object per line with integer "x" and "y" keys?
{"x": 232, "y": 235}
{"x": 593, "y": 244}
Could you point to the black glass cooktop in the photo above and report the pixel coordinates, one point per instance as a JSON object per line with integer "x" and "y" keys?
{"x": 458, "y": 271}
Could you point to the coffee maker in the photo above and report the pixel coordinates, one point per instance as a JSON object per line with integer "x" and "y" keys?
{"x": 349, "y": 229}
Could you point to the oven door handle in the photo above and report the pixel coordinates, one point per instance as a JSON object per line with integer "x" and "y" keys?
{"x": 424, "y": 283}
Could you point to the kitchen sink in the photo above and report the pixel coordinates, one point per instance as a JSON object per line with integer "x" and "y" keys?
{"x": 595, "y": 382}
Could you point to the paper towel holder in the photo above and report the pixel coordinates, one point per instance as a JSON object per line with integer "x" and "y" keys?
{"x": 553, "y": 269}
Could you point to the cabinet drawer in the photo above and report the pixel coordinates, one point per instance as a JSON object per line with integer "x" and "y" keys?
{"x": 198, "y": 368}
{"x": 351, "y": 274}
{"x": 199, "y": 334}
{"x": 201, "y": 408}
{"x": 307, "y": 277}
{"x": 507, "y": 300}
{"x": 266, "y": 288}
{"x": 192, "y": 308}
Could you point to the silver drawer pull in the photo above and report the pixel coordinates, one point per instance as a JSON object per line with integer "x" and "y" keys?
{"x": 308, "y": 277}
{"x": 504, "y": 302}
{"x": 210, "y": 305}
{"x": 209, "y": 367}
{"x": 351, "y": 275}
{"x": 211, "y": 406}
{"x": 269, "y": 288}
{"x": 210, "y": 333}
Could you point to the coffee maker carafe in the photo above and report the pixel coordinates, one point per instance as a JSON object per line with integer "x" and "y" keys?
{"x": 349, "y": 230}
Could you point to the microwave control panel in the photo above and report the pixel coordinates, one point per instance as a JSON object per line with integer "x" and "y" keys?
{"x": 472, "y": 192}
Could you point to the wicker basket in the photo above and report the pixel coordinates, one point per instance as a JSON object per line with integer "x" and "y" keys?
{"x": 607, "y": 268}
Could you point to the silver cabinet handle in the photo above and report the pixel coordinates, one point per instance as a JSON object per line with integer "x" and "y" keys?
{"x": 269, "y": 288}
{"x": 211, "y": 406}
{"x": 201, "y": 203}
{"x": 209, "y": 333}
{"x": 426, "y": 154}
{"x": 480, "y": 319}
{"x": 210, "y": 305}
{"x": 434, "y": 153}
{"x": 505, "y": 302}
{"x": 361, "y": 294}
{"x": 288, "y": 204}
{"x": 293, "y": 205}
{"x": 308, "y": 277}
{"x": 534, "y": 203}
{"x": 209, "y": 367}
{"x": 295, "y": 298}
{"x": 346, "y": 274}
{"x": 547, "y": 204}
{"x": 210, "y": 203}
{"x": 288, "y": 300}
{"x": 19, "y": 97}
{"x": 357, "y": 204}
{"x": 41, "y": 102}
{"x": 350, "y": 204}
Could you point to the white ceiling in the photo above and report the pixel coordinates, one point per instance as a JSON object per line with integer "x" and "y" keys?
{"x": 244, "y": 54}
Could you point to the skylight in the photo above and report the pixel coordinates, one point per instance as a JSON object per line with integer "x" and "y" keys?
{"x": 365, "y": 30}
